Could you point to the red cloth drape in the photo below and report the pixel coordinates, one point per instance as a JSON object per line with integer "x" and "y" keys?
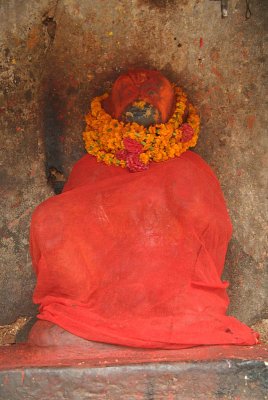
{"x": 136, "y": 258}
{"x": 150, "y": 86}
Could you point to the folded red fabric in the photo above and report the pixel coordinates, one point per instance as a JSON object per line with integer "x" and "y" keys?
{"x": 136, "y": 259}
{"x": 146, "y": 85}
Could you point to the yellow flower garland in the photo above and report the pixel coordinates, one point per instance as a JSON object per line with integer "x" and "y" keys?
{"x": 104, "y": 135}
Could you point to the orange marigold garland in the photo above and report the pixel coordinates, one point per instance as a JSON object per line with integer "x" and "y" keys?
{"x": 135, "y": 146}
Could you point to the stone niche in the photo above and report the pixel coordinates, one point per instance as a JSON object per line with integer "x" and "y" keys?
{"x": 56, "y": 55}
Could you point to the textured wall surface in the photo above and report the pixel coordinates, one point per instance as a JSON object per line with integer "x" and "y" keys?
{"x": 56, "y": 55}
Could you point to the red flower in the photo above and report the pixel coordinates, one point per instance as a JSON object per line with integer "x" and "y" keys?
{"x": 187, "y": 133}
{"x": 132, "y": 146}
{"x": 134, "y": 163}
{"x": 121, "y": 155}
{"x": 131, "y": 155}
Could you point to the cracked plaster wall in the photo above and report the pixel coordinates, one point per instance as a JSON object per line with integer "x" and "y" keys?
{"x": 56, "y": 55}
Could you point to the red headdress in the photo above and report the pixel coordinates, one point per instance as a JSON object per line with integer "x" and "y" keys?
{"x": 147, "y": 85}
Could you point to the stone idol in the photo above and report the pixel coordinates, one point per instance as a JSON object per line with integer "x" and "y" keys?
{"x": 132, "y": 252}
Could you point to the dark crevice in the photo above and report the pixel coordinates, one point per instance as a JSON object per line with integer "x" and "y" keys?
{"x": 53, "y": 129}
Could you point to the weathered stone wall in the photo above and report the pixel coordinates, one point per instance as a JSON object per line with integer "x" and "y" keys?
{"x": 56, "y": 55}
{"x": 23, "y": 184}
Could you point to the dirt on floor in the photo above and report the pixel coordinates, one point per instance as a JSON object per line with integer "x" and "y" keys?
{"x": 262, "y": 328}
{"x": 8, "y": 333}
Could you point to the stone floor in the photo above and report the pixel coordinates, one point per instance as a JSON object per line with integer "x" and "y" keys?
{"x": 214, "y": 372}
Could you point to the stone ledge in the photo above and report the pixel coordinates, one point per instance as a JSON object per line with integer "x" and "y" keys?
{"x": 214, "y": 372}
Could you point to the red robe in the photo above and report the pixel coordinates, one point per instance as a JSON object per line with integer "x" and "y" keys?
{"x": 136, "y": 258}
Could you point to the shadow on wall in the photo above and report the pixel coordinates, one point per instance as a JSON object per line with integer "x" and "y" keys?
{"x": 239, "y": 270}
{"x": 53, "y": 126}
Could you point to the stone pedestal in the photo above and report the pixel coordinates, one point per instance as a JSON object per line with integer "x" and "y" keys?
{"x": 216, "y": 372}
